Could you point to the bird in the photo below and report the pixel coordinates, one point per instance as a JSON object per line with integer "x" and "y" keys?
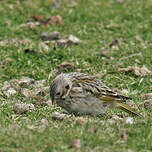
{"x": 83, "y": 94}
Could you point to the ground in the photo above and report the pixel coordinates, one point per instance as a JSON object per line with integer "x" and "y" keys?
{"x": 114, "y": 34}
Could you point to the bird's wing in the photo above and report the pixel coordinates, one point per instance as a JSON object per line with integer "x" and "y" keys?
{"x": 98, "y": 89}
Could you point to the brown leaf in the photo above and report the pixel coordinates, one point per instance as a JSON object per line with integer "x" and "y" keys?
{"x": 76, "y": 143}
{"x": 143, "y": 71}
{"x": 55, "y": 19}
{"x": 38, "y": 18}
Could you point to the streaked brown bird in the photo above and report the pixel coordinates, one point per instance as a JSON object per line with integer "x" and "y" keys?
{"x": 83, "y": 94}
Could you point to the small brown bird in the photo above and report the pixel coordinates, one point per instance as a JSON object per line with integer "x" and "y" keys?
{"x": 83, "y": 94}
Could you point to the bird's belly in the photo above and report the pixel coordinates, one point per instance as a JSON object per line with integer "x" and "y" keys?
{"x": 84, "y": 106}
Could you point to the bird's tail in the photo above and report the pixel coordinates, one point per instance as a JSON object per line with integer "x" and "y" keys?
{"x": 127, "y": 109}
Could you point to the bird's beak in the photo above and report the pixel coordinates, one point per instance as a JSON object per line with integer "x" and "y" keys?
{"x": 53, "y": 101}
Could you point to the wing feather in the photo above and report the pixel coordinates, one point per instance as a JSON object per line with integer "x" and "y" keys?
{"x": 98, "y": 88}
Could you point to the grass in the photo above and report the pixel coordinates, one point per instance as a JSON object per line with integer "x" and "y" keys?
{"x": 97, "y": 23}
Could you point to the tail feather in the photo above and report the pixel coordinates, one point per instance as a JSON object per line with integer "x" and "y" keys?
{"x": 127, "y": 109}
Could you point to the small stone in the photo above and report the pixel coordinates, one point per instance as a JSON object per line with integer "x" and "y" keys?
{"x": 129, "y": 120}
{"x": 147, "y": 104}
{"x": 147, "y": 95}
{"x": 38, "y": 92}
{"x": 74, "y": 39}
{"x": 20, "y": 108}
{"x": 59, "y": 116}
{"x": 45, "y": 122}
{"x": 62, "y": 42}
{"x": 31, "y": 25}
{"x": 50, "y": 36}
{"x": 39, "y": 83}
{"x": 26, "y": 92}
{"x": 7, "y": 90}
{"x": 25, "y": 81}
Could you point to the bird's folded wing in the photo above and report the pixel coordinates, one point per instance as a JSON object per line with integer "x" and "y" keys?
{"x": 99, "y": 90}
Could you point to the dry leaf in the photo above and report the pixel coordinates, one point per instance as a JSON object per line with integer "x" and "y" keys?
{"x": 55, "y": 19}
{"x": 38, "y": 18}
{"x": 136, "y": 70}
{"x": 76, "y": 143}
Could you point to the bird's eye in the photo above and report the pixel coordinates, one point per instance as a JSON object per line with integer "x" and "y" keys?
{"x": 58, "y": 94}
{"x": 67, "y": 87}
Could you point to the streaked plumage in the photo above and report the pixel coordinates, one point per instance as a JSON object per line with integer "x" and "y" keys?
{"x": 83, "y": 94}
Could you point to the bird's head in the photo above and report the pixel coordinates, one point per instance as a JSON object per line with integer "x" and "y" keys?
{"x": 60, "y": 88}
